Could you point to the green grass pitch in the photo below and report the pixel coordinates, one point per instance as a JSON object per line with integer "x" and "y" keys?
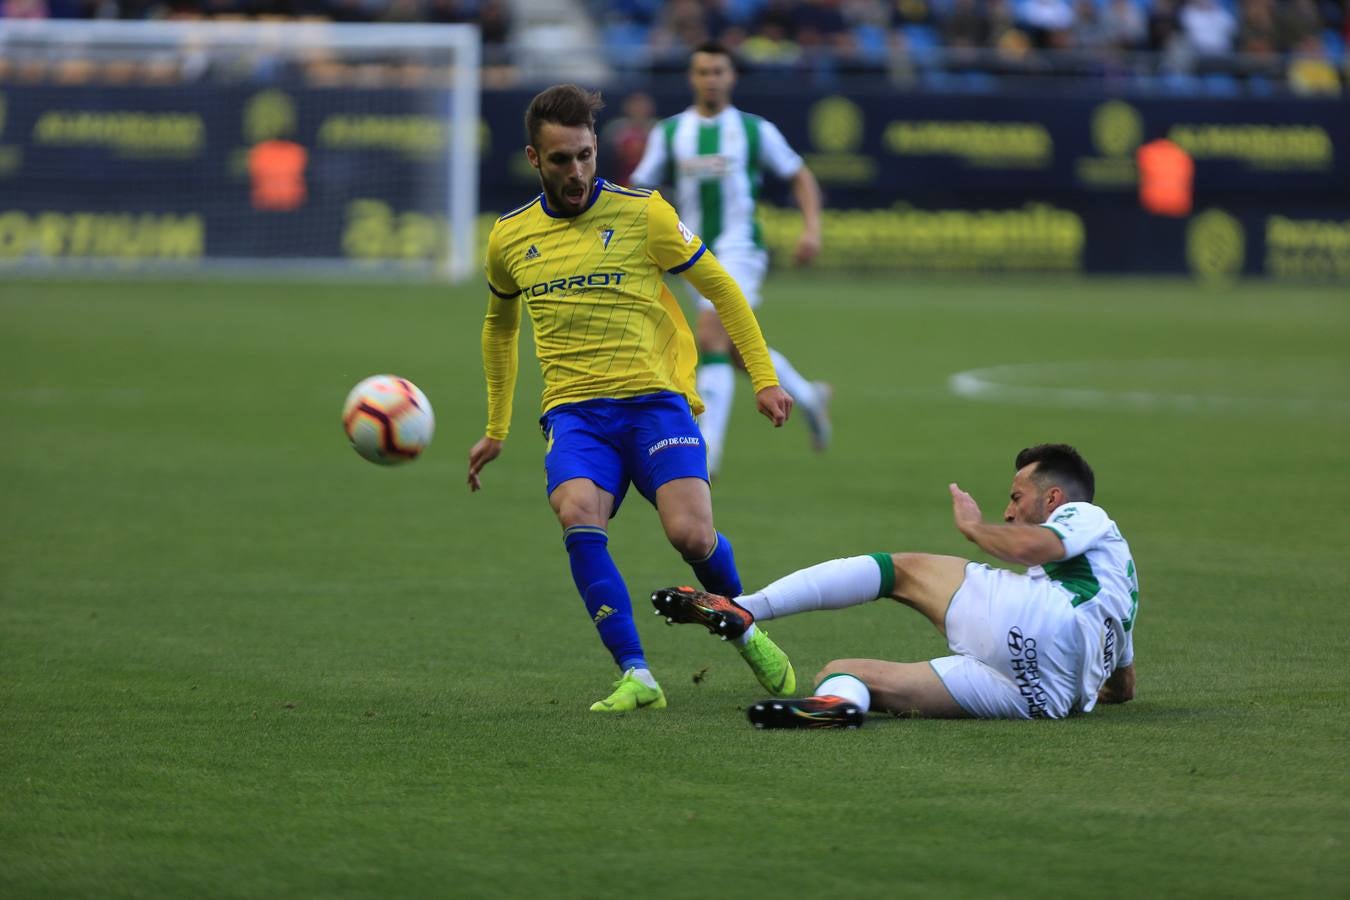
{"x": 238, "y": 661}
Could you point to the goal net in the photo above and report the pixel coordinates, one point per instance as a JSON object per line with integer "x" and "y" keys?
{"x": 291, "y": 147}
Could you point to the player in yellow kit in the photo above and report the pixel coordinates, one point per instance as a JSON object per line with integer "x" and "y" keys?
{"x": 588, "y": 259}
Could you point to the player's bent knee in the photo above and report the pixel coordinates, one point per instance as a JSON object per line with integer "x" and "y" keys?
{"x": 580, "y": 512}
{"x": 694, "y": 542}
{"x": 830, "y": 668}
{"x": 580, "y": 501}
{"x": 858, "y": 668}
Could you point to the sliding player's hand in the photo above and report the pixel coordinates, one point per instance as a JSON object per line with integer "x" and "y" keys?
{"x": 965, "y": 511}
{"x": 775, "y": 404}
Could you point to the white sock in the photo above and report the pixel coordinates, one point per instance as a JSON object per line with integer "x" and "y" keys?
{"x": 850, "y": 687}
{"x": 803, "y": 392}
{"x": 828, "y": 585}
{"x": 717, "y": 387}
{"x": 643, "y": 675}
{"x": 745, "y": 635}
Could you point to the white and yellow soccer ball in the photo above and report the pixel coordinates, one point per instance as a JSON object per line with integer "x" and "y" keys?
{"x": 388, "y": 419}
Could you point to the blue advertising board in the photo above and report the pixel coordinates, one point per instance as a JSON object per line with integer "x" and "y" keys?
{"x": 921, "y": 182}
{"x": 145, "y": 174}
{"x": 913, "y": 181}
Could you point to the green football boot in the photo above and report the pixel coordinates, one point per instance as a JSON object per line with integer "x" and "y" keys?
{"x": 728, "y": 619}
{"x": 630, "y": 694}
{"x": 770, "y": 664}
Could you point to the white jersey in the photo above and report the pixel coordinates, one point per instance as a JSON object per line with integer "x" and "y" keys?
{"x": 716, "y": 166}
{"x": 1098, "y": 579}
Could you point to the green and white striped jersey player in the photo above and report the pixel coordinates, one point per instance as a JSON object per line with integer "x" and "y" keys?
{"x": 713, "y": 155}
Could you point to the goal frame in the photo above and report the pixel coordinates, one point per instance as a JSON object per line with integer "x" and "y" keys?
{"x": 461, "y": 156}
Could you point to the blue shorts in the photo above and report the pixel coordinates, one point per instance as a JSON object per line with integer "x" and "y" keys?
{"x": 645, "y": 441}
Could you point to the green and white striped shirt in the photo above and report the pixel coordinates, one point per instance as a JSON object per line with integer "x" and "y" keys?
{"x": 716, "y": 166}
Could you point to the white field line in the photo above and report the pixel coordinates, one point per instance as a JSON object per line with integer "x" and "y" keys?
{"x": 999, "y": 384}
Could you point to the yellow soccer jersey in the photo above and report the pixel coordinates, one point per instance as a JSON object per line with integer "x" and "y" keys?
{"x": 605, "y": 324}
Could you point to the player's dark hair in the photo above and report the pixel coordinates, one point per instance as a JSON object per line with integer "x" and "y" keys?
{"x": 1062, "y": 465}
{"x": 562, "y": 104}
{"x": 716, "y": 48}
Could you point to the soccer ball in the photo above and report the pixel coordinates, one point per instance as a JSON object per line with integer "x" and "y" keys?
{"x": 388, "y": 419}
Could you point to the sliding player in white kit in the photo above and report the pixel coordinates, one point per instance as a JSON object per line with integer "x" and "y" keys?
{"x": 713, "y": 155}
{"x": 1047, "y": 644}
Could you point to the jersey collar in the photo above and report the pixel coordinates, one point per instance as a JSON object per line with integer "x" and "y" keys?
{"x": 726, "y": 110}
{"x": 595, "y": 195}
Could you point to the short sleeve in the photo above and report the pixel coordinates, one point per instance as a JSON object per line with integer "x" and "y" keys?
{"x": 499, "y": 278}
{"x": 775, "y": 152}
{"x": 1079, "y": 525}
{"x": 670, "y": 243}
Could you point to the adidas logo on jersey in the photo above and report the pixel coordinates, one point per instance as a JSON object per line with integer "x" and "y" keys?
{"x": 532, "y": 253}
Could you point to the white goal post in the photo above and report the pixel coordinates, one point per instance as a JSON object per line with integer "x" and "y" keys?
{"x": 269, "y": 147}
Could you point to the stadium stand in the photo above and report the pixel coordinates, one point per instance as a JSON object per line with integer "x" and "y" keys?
{"x": 1215, "y": 48}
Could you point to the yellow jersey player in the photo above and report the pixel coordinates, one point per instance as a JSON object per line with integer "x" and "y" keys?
{"x": 587, "y": 259}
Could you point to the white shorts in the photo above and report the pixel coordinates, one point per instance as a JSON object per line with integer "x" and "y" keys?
{"x": 1021, "y": 650}
{"x": 747, "y": 266}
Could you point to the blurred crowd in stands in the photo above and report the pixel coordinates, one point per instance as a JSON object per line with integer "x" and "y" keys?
{"x": 908, "y": 39}
{"x": 1186, "y": 46}
{"x": 493, "y": 17}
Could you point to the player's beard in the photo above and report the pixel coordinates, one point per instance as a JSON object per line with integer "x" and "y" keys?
{"x": 1038, "y": 513}
{"x": 713, "y": 102}
{"x": 557, "y": 197}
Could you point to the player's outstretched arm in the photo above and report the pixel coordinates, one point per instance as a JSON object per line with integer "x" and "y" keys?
{"x": 1029, "y": 545}
{"x": 480, "y": 454}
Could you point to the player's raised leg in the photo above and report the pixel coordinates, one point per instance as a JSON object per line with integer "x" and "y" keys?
{"x": 923, "y": 581}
